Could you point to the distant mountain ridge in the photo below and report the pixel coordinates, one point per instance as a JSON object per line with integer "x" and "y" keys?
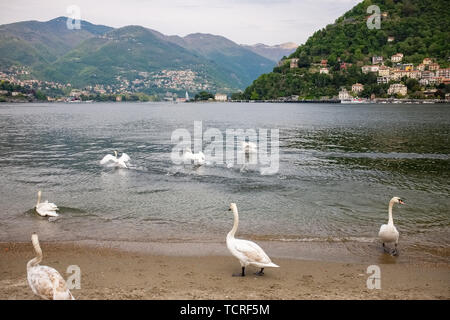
{"x": 274, "y": 53}
{"x": 98, "y": 54}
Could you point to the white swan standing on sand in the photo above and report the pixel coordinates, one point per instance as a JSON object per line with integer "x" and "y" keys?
{"x": 45, "y": 282}
{"x": 388, "y": 232}
{"x": 46, "y": 209}
{"x": 111, "y": 160}
{"x": 198, "y": 158}
{"x": 247, "y": 252}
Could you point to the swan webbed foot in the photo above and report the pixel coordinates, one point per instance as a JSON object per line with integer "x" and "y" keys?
{"x": 260, "y": 273}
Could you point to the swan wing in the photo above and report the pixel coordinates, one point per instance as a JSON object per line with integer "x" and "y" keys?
{"x": 124, "y": 157}
{"x": 50, "y": 205}
{"x": 108, "y": 158}
{"x": 47, "y": 209}
{"x": 47, "y": 283}
{"x": 252, "y": 252}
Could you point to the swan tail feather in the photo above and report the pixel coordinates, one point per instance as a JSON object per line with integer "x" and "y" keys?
{"x": 273, "y": 265}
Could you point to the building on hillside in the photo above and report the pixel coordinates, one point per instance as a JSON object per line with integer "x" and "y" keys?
{"x": 408, "y": 67}
{"x": 383, "y": 71}
{"x": 397, "y": 88}
{"x": 398, "y": 57}
{"x": 357, "y": 87}
{"x": 415, "y": 74}
{"x": 367, "y": 69}
{"x": 428, "y": 75}
{"x": 445, "y": 73}
{"x": 324, "y": 71}
{"x": 294, "y": 63}
{"x": 324, "y": 62}
{"x": 377, "y": 59}
{"x": 344, "y": 95}
{"x": 221, "y": 97}
{"x": 433, "y": 66}
{"x": 421, "y": 67}
{"x": 390, "y": 39}
{"x": 427, "y": 61}
{"x": 424, "y": 82}
{"x": 382, "y": 80}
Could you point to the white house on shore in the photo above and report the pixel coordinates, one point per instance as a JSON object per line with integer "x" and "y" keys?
{"x": 397, "y": 88}
{"x": 221, "y": 97}
{"x": 344, "y": 95}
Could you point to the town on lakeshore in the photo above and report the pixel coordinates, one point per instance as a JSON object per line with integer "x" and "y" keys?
{"x": 406, "y": 83}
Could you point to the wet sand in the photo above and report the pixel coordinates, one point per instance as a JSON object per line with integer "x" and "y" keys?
{"x": 108, "y": 273}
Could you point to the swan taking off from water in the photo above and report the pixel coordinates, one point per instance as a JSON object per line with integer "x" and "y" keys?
{"x": 388, "y": 232}
{"x": 247, "y": 252}
{"x": 198, "y": 158}
{"x": 113, "y": 161}
{"x": 46, "y": 209}
{"x": 45, "y": 282}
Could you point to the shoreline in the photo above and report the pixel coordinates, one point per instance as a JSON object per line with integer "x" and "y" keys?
{"x": 380, "y": 101}
{"x": 132, "y": 273}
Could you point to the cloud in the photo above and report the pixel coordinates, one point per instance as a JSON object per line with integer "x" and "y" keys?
{"x": 243, "y": 21}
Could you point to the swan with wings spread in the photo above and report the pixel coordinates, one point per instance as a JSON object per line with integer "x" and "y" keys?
{"x": 112, "y": 160}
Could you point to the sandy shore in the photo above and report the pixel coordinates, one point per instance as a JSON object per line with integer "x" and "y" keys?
{"x": 117, "y": 274}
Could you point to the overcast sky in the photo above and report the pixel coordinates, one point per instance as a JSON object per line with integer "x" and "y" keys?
{"x": 243, "y": 21}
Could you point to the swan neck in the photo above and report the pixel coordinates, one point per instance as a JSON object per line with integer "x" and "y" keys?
{"x": 39, "y": 199}
{"x": 36, "y": 260}
{"x": 235, "y": 225}
{"x": 391, "y": 220}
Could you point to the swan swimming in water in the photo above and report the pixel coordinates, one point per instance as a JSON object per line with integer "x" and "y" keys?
{"x": 198, "y": 158}
{"x": 388, "y": 232}
{"x": 247, "y": 252}
{"x": 46, "y": 209}
{"x": 45, "y": 282}
{"x": 111, "y": 160}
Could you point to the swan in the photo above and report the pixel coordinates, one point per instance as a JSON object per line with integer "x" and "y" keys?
{"x": 45, "y": 282}
{"x": 198, "y": 158}
{"x": 249, "y": 147}
{"x": 247, "y": 252}
{"x": 46, "y": 208}
{"x": 114, "y": 161}
{"x": 388, "y": 232}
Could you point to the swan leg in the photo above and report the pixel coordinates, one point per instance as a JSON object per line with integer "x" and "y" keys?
{"x": 240, "y": 274}
{"x": 384, "y": 248}
{"x": 260, "y": 273}
{"x": 394, "y": 251}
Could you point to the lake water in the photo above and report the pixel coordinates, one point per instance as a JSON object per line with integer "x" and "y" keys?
{"x": 339, "y": 167}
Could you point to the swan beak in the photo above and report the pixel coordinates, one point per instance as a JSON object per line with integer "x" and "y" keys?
{"x": 401, "y": 201}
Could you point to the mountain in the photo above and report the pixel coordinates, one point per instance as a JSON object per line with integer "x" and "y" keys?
{"x": 241, "y": 63}
{"x": 126, "y": 52}
{"x": 97, "y": 54}
{"x": 32, "y": 42}
{"x": 274, "y": 53}
{"x": 416, "y": 28}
